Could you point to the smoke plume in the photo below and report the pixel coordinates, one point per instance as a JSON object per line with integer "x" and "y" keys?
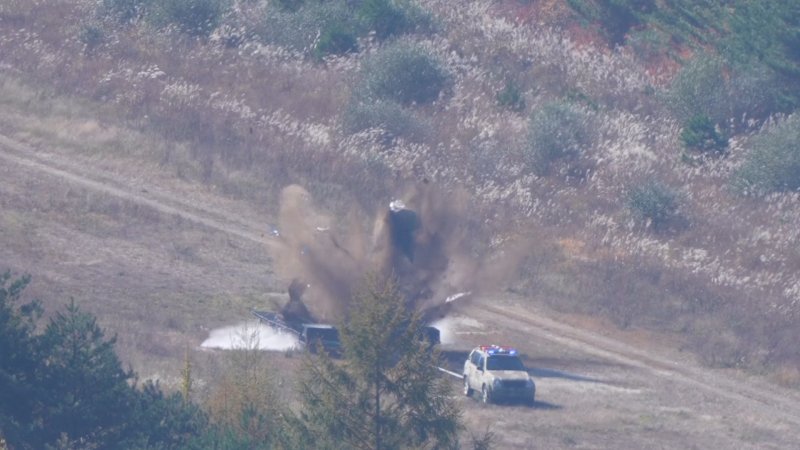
{"x": 431, "y": 242}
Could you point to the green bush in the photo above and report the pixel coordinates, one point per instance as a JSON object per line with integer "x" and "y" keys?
{"x": 511, "y": 97}
{"x": 318, "y": 28}
{"x": 387, "y": 115}
{"x": 773, "y": 162}
{"x": 194, "y": 17}
{"x": 648, "y": 44}
{"x": 383, "y": 17}
{"x": 403, "y": 73}
{"x": 768, "y": 34}
{"x": 91, "y": 36}
{"x": 744, "y": 33}
{"x": 336, "y": 40}
{"x": 289, "y": 5}
{"x": 618, "y": 17}
{"x": 654, "y": 203}
{"x": 392, "y": 17}
{"x": 706, "y": 86}
{"x": 333, "y": 26}
{"x": 755, "y": 91}
{"x": 700, "y": 134}
{"x": 699, "y": 90}
{"x": 615, "y": 17}
{"x": 557, "y": 131}
{"x": 125, "y": 10}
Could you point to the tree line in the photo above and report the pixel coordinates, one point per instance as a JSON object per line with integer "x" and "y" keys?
{"x": 62, "y": 386}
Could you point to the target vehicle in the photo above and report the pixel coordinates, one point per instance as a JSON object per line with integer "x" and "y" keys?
{"x": 313, "y": 336}
{"x": 497, "y": 373}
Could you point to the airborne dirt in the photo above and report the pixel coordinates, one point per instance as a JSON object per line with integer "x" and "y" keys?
{"x": 428, "y": 240}
{"x": 595, "y": 389}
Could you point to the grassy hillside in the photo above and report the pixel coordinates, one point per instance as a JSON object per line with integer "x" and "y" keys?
{"x": 645, "y": 146}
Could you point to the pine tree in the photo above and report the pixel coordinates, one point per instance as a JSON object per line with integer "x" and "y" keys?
{"x": 159, "y": 421}
{"x": 66, "y": 388}
{"x": 84, "y": 390}
{"x": 387, "y": 393}
{"x": 17, "y": 360}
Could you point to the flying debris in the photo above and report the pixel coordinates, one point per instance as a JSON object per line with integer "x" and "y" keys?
{"x": 295, "y": 311}
{"x": 455, "y": 297}
{"x": 430, "y": 241}
{"x": 403, "y": 226}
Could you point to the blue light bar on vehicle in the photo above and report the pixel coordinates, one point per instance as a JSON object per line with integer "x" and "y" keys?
{"x": 498, "y": 350}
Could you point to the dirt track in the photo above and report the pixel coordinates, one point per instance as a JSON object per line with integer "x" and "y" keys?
{"x": 594, "y": 390}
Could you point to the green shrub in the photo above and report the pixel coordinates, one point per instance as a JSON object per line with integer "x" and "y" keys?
{"x": 194, "y": 17}
{"x": 392, "y": 17}
{"x": 336, "y": 40}
{"x": 745, "y": 33}
{"x": 699, "y": 90}
{"x": 557, "y": 131}
{"x": 91, "y": 36}
{"x": 289, "y": 5}
{"x": 700, "y": 134}
{"x": 403, "y": 73}
{"x": 773, "y": 162}
{"x": 125, "y": 10}
{"x": 707, "y": 87}
{"x": 768, "y": 34}
{"x": 389, "y": 116}
{"x": 648, "y": 44}
{"x": 318, "y": 28}
{"x": 511, "y": 97}
{"x": 755, "y": 91}
{"x": 616, "y": 17}
{"x": 654, "y": 203}
{"x": 383, "y": 17}
{"x": 333, "y": 26}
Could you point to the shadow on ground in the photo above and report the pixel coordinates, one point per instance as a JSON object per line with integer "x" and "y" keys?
{"x": 545, "y": 406}
{"x": 542, "y": 372}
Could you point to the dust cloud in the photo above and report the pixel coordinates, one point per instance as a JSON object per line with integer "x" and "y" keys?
{"x": 432, "y": 243}
{"x": 250, "y": 336}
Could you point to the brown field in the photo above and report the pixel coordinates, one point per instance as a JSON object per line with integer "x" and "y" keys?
{"x": 142, "y": 179}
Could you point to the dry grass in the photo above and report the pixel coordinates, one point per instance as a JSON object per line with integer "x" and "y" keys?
{"x": 251, "y": 119}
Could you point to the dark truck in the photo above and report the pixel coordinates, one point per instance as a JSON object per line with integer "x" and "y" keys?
{"x": 314, "y": 336}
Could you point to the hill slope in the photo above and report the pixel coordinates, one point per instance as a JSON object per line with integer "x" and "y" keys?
{"x": 559, "y": 139}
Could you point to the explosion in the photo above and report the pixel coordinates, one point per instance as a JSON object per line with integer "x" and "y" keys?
{"x": 427, "y": 240}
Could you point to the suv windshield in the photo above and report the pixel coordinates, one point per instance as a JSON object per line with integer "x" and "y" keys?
{"x": 504, "y": 362}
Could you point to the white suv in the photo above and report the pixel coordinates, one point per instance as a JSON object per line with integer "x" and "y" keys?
{"x": 498, "y": 374}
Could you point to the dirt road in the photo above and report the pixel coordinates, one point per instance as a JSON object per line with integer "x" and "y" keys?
{"x": 594, "y": 389}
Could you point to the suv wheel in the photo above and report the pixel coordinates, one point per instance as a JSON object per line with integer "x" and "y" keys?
{"x": 467, "y": 389}
{"x": 486, "y": 396}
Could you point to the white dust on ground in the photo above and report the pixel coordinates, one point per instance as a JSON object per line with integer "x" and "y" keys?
{"x": 451, "y": 326}
{"x": 250, "y": 335}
